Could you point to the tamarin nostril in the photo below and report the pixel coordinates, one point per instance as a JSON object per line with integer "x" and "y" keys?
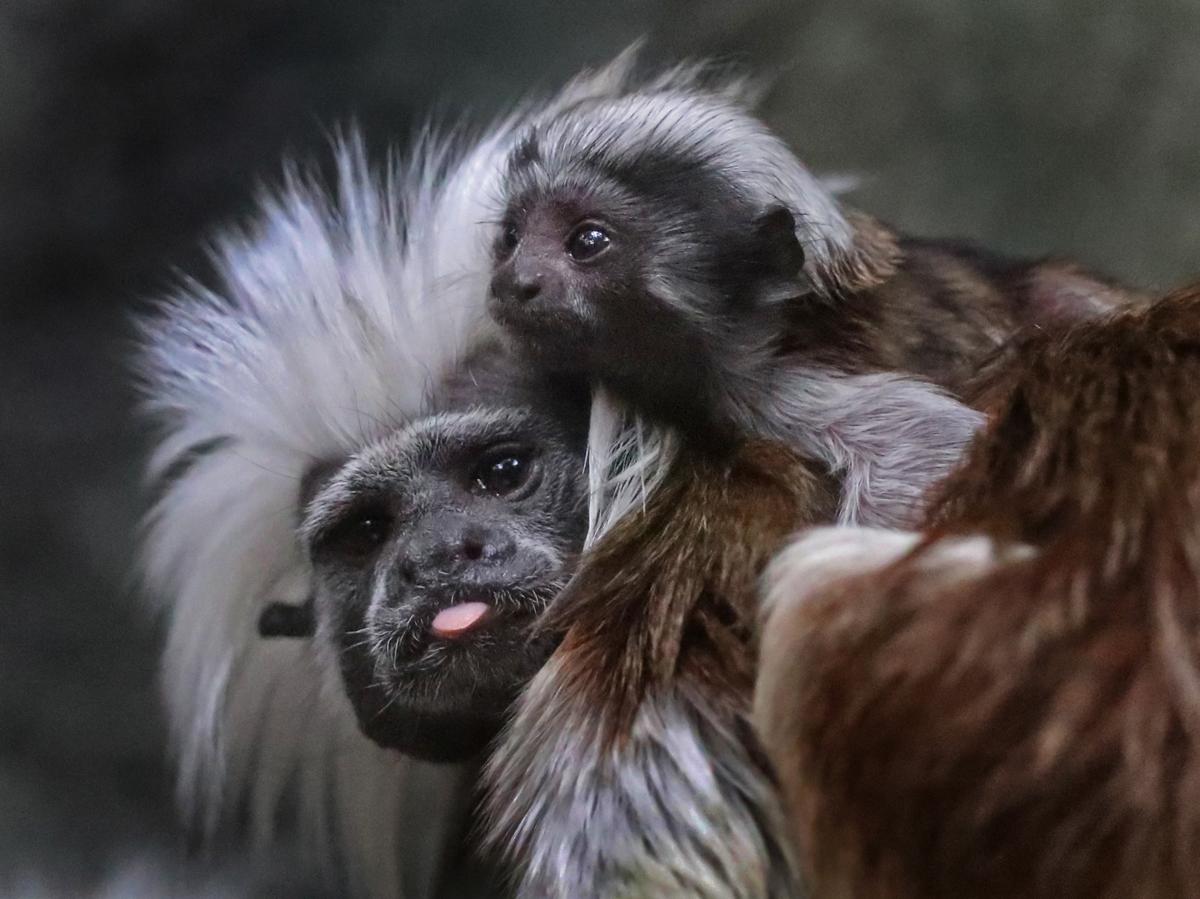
{"x": 472, "y": 549}
{"x": 527, "y": 290}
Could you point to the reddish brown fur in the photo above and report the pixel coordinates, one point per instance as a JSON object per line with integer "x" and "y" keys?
{"x": 668, "y": 597}
{"x": 937, "y": 308}
{"x": 1034, "y": 731}
{"x": 658, "y": 656}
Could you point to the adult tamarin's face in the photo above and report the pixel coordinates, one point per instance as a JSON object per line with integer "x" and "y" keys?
{"x": 433, "y": 551}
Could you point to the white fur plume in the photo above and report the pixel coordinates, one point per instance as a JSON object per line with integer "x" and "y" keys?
{"x": 627, "y": 458}
{"x": 330, "y": 319}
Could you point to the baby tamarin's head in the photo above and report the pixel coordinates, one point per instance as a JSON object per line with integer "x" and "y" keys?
{"x": 650, "y": 238}
{"x": 435, "y": 548}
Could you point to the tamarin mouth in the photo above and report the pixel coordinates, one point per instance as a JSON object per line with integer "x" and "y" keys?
{"x": 456, "y": 620}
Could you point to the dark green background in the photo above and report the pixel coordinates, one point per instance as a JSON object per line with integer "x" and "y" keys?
{"x": 129, "y": 129}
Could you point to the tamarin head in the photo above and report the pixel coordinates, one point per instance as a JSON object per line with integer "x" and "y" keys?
{"x": 435, "y": 548}
{"x": 650, "y": 238}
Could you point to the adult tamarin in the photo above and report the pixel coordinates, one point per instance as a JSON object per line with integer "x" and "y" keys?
{"x": 662, "y": 242}
{"x": 1008, "y": 704}
{"x": 332, "y": 322}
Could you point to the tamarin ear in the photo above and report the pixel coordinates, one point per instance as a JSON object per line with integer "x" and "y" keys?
{"x": 779, "y": 245}
{"x": 281, "y": 619}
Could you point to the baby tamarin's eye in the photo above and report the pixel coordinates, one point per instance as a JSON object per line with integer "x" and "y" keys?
{"x": 510, "y": 236}
{"x": 587, "y": 242}
{"x": 505, "y": 472}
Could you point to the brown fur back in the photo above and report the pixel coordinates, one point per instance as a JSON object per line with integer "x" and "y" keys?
{"x": 1034, "y": 728}
{"x": 940, "y": 308}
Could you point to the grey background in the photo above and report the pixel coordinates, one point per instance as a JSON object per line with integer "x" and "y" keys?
{"x": 129, "y": 129}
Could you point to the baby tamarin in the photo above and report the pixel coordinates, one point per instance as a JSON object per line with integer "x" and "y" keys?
{"x": 662, "y": 241}
{"x": 1009, "y": 704}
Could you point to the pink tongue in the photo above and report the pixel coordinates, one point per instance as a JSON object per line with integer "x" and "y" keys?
{"x": 457, "y": 620}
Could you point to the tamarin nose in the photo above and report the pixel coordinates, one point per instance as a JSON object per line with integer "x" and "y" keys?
{"x": 529, "y": 278}
{"x": 487, "y": 545}
{"x": 450, "y": 547}
{"x": 514, "y": 287}
{"x": 528, "y": 288}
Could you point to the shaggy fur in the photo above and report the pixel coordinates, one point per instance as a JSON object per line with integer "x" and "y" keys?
{"x": 630, "y": 769}
{"x": 331, "y": 319}
{"x": 1010, "y": 704}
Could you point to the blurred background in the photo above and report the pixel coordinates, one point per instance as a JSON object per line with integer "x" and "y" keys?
{"x": 131, "y": 129}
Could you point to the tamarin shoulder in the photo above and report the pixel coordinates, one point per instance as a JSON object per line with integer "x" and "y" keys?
{"x": 683, "y": 573}
{"x": 938, "y": 307}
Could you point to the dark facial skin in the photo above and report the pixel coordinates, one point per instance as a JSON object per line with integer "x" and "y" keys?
{"x": 571, "y": 290}
{"x": 484, "y": 505}
{"x": 639, "y": 285}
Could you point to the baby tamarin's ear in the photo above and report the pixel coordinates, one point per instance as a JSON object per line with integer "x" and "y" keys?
{"x": 870, "y": 258}
{"x": 779, "y": 247}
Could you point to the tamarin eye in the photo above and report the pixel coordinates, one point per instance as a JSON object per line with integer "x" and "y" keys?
{"x": 503, "y": 472}
{"x": 587, "y": 242}
{"x": 510, "y": 236}
{"x": 359, "y": 535}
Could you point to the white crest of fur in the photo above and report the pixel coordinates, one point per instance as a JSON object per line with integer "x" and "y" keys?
{"x": 331, "y": 319}
{"x": 627, "y": 458}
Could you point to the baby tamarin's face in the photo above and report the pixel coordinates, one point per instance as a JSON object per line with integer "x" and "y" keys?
{"x": 433, "y": 550}
{"x": 642, "y": 272}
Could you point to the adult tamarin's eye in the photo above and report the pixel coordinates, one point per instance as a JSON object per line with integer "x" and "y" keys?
{"x": 587, "y": 242}
{"x": 359, "y": 535}
{"x": 510, "y": 236}
{"x": 504, "y": 472}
